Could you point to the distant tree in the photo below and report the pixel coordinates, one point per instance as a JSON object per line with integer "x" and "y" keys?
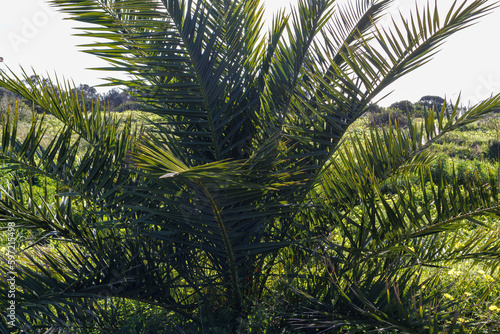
{"x": 374, "y": 108}
{"x": 37, "y": 81}
{"x": 429, "y": 101}
{"x": 34, "y": 83}
{"x": 111, "y": 98}
{"x": 403, "y": 106}
{"x": 86, "y": 94}
{"x": 118, "y": 99}
{"x": 3, "y": 92}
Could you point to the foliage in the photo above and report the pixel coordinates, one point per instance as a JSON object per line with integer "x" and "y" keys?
{"x": 119, "y": 100}
{"x": 432, "y": 101}
{"x": 493, "y": 151}
{"x": 404, "y": 106}
{"x": 389, "y": 118}
{"x": 9, "y": 104}
{"x": 374, "y": 108}
{"x": 249, "y": 182}
{"x": 447, "y": 168}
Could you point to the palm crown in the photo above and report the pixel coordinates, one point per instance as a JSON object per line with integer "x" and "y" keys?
{"x": 247, "y": 170}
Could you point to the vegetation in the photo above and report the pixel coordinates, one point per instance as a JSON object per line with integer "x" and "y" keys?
{"x": 116, "y": 99}
{"x": 250, "y": 200}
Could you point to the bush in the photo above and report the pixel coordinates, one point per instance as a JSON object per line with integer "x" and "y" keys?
{"x": 389, "y": 117}
{"x": 464, "y": 170}
{"x": 493, "y": 152}
{"x": 132, "y": 105}
{"x": 403, "y": 106}
{"x": 9, "y": 104}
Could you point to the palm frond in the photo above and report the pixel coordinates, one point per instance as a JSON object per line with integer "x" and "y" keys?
{"x": 333, "y": 93}
{"x": 377, "y": 248}
{"x": 195, "y": 79}
{"x": 380, "y": 154}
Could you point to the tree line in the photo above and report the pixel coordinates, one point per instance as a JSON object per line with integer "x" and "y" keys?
{"x": 115, "y": 99}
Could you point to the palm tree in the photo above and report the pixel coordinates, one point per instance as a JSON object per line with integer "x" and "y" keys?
{"x": 250, "y": 169}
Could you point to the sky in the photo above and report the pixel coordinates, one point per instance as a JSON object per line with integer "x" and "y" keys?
{"x": 35, "y": 36}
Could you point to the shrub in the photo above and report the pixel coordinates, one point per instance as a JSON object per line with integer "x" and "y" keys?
{"x": 10, "y": 105}
{"x": 387, "y": 117}
{"x": 493, "y": 152}
{"x": 464, "y": 170}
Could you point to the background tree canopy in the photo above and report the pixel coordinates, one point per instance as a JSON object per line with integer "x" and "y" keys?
{"x": 246, "y": 189}
{"x": 431, "y": 101}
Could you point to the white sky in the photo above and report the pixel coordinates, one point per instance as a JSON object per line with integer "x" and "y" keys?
{"x": 32, "y": 34}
